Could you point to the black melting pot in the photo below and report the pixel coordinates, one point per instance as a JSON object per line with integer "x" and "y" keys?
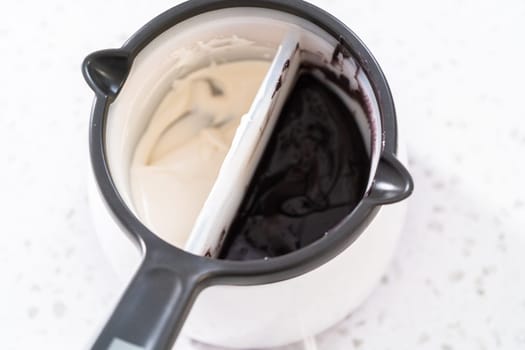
{"x": 311, "y": 182}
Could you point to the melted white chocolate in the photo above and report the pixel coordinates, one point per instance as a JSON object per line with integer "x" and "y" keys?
{"x": 181, "y": 151}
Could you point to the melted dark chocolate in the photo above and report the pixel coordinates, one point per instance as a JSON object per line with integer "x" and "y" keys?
{"x": 312, "y": 174}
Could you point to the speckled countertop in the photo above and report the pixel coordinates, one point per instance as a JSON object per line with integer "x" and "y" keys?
{"x": 456, "y": 69}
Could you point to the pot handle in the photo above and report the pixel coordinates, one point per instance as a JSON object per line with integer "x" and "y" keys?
{"x": 152, "y": 310}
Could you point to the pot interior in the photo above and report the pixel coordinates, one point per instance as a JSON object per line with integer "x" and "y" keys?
{"x": 215, "y": 38}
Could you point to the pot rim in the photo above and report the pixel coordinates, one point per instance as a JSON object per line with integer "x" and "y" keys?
{"x": 208, "y": 271}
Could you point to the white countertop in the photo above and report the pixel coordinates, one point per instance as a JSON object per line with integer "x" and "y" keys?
{"x": 457, "y": 73}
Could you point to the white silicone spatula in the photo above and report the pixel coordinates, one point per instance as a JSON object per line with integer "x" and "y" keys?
{"x": 248, "y": 144}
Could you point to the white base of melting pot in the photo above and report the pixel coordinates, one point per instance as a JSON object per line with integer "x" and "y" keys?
{"x": 279, "y": 313}
{"x": 257, "y": 316}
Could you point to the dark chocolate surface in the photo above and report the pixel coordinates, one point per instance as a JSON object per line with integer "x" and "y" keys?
{"x": 312, "y": 174}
